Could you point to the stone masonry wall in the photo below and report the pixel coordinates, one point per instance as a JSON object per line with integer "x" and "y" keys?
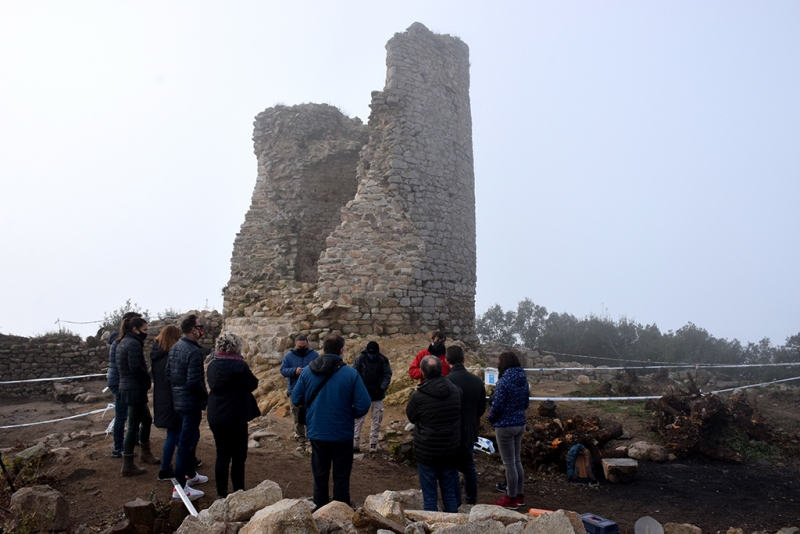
{"x": 377, "y": 243}
{"x": 23, "y": 358}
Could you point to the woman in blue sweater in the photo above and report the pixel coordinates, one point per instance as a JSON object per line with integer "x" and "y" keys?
{"x": 507, "y": 415}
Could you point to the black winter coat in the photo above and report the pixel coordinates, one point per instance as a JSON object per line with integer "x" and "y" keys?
{"x": 435, "y": 410}
{"x": 230, "y": 400}
{"x": 473, "y": 402}
{"x": 132, "y": 367}
{"x": 113, "y": 373}
{"x": 164, "y": 415}
{"x": 376, "y": 374}
{"x": 186, "y": 376}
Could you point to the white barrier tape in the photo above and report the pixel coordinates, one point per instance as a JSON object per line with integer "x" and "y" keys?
{"x": 757, "y": 385}
{"x": 585, "y": 399}
{"x": 49, "y": 379}
{"x": 650, "y": 397}
{"x": 600, "y": 357}
{"x": 103, "y": 411}
{"x": 629, "y": 367}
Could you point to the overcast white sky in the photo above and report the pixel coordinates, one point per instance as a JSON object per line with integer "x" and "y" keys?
{"x": 631, "y": 158}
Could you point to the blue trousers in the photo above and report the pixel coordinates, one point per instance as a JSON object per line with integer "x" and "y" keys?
{"x": 170, "y": 444}
{"x": 120, "y": 416}
{"x": 187, "y": 444}
{"x": 447, "y": 479}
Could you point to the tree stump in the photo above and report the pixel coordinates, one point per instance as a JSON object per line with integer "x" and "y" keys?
{"x": 141, "y": 514}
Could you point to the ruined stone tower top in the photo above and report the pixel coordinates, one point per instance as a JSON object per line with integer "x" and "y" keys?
{"x": 379, "y": 241}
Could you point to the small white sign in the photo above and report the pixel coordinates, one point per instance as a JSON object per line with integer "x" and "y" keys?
{"x": 490, "y": 376}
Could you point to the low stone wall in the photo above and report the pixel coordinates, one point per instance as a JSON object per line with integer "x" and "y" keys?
{"x": 23, "y": 358}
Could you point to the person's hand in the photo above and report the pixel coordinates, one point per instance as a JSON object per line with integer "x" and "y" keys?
{"x": 298, "y": 371}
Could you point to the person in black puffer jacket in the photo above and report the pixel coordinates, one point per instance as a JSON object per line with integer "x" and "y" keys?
{"x": 120, "y": 406}
{"x": 164, "y": 415}
{"x": 435, "y": 410}
{"x": 134, "y": 383}
{"x": 186, "y": 376}
{"x": 231, "y": 406}
{"x": 376, "y": 372}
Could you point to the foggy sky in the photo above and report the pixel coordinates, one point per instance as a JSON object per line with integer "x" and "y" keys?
{"x": 636, "y": 159}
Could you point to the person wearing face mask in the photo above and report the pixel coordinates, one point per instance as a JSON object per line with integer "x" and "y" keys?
{"x": 134, "y": 382}
{"x": 436, "y": 348}
{"x": 292, "y": 365}
{"x": 376, "y": 372}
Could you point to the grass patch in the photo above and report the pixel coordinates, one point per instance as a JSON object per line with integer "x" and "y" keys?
{"x": 751, "y": 450}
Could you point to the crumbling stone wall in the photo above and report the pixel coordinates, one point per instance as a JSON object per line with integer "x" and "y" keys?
{"x": 23, "y": 358}
{"x": 377, "y": 243}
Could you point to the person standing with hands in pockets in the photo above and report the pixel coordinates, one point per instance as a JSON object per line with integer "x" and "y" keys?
{"x": 292, "y": 365}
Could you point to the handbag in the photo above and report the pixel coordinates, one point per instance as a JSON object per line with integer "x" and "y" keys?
{"x": 303, "y": 408}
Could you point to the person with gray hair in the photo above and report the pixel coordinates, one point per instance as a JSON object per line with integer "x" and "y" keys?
{"x": 435, "y": 410}
{"x": 231, "y": 406}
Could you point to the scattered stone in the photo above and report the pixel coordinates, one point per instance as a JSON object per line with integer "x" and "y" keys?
{"x": 253, "y": 444}
{"x": 620, "y": 470}
{"x": 558, "y": 522}
{"x": 583, "y": 380}
{"x": 516, "y": 528}
{"x": 487, "y": 526}
{"x": 410, "y": 499}
{"x": 393, "y": 511}
{"x": 681, "y": 528}
{"x": 368, "y": 520}
{"x": 333, "y": 517}
{"x": 286, "y": 516}
{"x": 483, "y": 512}
{"x": 735, "y": 531}
{"x": 40, "y": 508}
{"x": 87, "y": 398}
{"x": 242, "y": 505}
{"x": 31, "y": 455}
{"x": 260, "y": 434}
{"x": 192, "y": 525}
{"x": 788, "y": 530}
{"x": 417, "y": 528}
{"x": 436, "y": 517}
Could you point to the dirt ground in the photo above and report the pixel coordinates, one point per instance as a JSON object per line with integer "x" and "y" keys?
{"x": 755, "y": 495}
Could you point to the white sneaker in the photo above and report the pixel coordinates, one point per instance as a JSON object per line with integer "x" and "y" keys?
{"x": 196, "y": 480}
{"x": 190, "y": 492}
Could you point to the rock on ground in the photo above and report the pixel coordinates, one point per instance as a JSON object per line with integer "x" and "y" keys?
{"x": 39, "y": 508}
{"x": 620, "y": 470}
{"x": 483, "y": 512}
{"x": 681, "y": 528}
{"x": 242, "y": 505}
{"x": 289, "y": 516}
{"x": 558, "y": 522}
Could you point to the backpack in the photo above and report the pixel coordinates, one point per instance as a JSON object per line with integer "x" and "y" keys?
{"x": 579, "y": 464}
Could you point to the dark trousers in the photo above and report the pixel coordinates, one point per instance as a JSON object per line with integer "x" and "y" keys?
{"x": 466, "y": 466}
{"x": 120, "y": 416}
{"x": 138, "y": 416}
{"x": 231, "y": 442}
{"x": 446, "y": 478}
{"x": 323, "y": 455}
{"x": 187, "y": 444}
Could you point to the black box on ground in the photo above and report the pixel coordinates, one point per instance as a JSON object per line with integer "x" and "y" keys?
{"x": 594, "y": 524}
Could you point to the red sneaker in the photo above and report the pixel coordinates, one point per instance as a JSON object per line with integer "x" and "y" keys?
{"x": 520, "y": 500}
{"x": 507, "y": 502}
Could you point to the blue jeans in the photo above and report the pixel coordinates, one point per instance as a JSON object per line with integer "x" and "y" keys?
{"x": 170, "y": 443}
{"x": 447, "y": 479}
{"x": 466, "y": 465}
{"x": 187, "y": 443}
{"x": 120, "y": 417}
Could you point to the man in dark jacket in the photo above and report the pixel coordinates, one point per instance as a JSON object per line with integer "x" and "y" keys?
{"x": 473, "y": 404}
{"x": 334, "y": 396}
{"x": 376, "y": 372}
{"x": 186, "y": 376}
{"x": 112, "y": 377}
{"x": 435, "y": 410}
{"x": 292, "y": 365}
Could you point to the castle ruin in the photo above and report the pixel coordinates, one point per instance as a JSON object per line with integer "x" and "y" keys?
{"x": 363, "y": 229}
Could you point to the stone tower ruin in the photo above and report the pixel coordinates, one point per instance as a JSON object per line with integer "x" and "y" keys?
{"x": 364, "y": 229}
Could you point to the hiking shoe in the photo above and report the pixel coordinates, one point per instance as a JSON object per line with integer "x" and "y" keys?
{"x": 196, "y": 480}
{"x": 116, "y": 453}
{"x": 197, "y": 462}
{"x": 507, "y": 502}
{"x": 189, "y": 491}
{"x": 501, "y": 487}
{"x": 520, "y": 500}
{"x": 373, "y": 447}
{"x": 166, "y": 475}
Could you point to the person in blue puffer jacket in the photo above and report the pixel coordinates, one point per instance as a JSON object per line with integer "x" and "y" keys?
{"x": 112, "y": 380}
{"x": 507, "y": 415}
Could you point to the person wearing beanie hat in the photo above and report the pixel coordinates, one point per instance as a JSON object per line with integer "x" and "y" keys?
{"x": 376, "y": 372}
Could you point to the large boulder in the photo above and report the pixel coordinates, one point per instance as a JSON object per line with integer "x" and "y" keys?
{"x": 39, "y": 508}
{"x": 31, "y": 455}
{"x": 486, "y": 526}
{"x": 410, "y": 499}
{"x": 242, "y": 505}
{"x": 192, "y": 525}
{"x": 335, "y": 516}
{"x": 681, "y": 528}
{"x": 289, "y": 516}
{"x": 436, "y": 517}
{"x": 558, "y": 522}
{"x": 370, "y": 522}
{"x": 483, "y": 512}
{"x": 620, "y": 470}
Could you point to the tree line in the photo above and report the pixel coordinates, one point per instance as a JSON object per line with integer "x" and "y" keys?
{"x": 532, "y": 327}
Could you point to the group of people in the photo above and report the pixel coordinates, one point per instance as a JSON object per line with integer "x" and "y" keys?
{"x": 329, "y": 403}
{"x": 180, "y": 396}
